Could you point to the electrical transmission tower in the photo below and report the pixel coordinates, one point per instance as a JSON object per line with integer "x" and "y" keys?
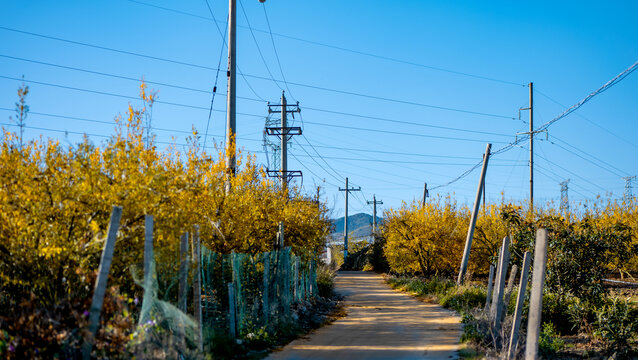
{"x": 564, "y": 199}
{"x": 628, "y": 196}
{"x": 279, "y": 166}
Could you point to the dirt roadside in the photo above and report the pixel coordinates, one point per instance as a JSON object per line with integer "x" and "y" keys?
{"x": 381, "y": 323}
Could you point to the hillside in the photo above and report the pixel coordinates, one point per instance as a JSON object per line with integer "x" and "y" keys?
{"x": 359, "y": 225}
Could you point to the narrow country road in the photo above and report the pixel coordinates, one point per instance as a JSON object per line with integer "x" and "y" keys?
{"x": 381, "y": 323}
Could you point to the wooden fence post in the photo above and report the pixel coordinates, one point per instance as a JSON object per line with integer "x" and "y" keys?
{"x": 183, "y": 272}
{"x": 536, "y": 297}
{"x": 489, "y": 289}
{"x": 102, "y": 279}
{"x": 520, "y": 298}
{"x": 197, "y": 286}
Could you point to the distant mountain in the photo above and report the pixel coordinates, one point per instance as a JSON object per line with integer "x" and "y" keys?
{"x": 359, "y": 225}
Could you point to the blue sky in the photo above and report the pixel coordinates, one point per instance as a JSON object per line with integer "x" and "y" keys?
{"x": 472, "y": 57}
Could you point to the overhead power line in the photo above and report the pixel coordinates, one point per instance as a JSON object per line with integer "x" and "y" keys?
{"x": 618, "y": 78}
{"x": 341, "y": 48}
{"x": 344, "y": 92}
{"x": 568, "y": 111}
{"x": 398, "y": 132}
{"x": 588, "y": 120}
{"x": 245, "y": 114}
{"x": 213, "y": 92}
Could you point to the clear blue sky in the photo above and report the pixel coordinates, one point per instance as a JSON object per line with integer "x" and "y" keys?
{"x": 568, "y": 49}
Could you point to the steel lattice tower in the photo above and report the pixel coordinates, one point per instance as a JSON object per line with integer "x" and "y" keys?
{"x": 628, "y": 196}
{"x": 564, "y": 197}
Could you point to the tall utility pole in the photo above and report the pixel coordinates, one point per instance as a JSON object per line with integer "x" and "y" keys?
{"x": 531, "y": 134}
{"x": 531, "y": 146}
{"x": 283, "y": 132}
{"x": 426, "y": 193}
{"x": 345, "y": 220}
{"x": 628, "y": 195}
{"x": 374, "y": 203}
{"x": 232, "y": 86}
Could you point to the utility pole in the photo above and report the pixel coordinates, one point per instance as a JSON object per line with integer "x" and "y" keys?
{"x": 283, "y": 132}
{"x": 470, "y": 230}
{"x": 374, "y": 203}
{"x": 426, "y": 193}
{"x": 232, "y": 89}
{"x": 345, "y": 220}
{"x": 531, "y": 134}
{"x": 628, "y": 195}
{"x": 564, "y": 197}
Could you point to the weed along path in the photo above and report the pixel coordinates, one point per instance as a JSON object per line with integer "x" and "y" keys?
{"x": 381, "y": 323}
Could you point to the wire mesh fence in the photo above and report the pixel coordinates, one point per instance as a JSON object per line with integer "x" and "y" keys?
{"x": 240, "y": 295}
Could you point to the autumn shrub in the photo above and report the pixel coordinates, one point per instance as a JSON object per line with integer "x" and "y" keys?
{"x": 55, "y": 203}
{"x": 425, "y": 239}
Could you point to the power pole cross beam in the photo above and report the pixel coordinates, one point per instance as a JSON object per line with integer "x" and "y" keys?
{"x": 374, "y": 203}
{"x": 345, "y": 219}
{"x": 284, "y": 133}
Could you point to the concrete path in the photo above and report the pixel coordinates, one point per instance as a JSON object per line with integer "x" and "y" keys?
{"x": 382, "y": 323}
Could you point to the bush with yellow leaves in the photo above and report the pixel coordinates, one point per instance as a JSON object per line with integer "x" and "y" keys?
{"x": 55, "y": 204}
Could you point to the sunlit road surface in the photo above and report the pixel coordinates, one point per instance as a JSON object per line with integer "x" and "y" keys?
{"x": 381, "y": 324}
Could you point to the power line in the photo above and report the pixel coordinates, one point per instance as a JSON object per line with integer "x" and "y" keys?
{"x": 589, "y": 161}
{"x": 558, "y": 180}
{"x": 272, "y": 40}
{"x": 223, "y": 37}
{"x": 246, "y": 114}
{"x": 263, "y": 78}
{"x": 118, "y": 95}
{"x": 572, "y": 173}
{"x": 588, "y": 120}
{"x": 601, "y": 89}
{"x": 263, "y": 60}
{"x": 247, "y": 98}
{"x": 387, "y": 58}
{"x": 568, "y": 111}
{"x": 212, "y": 101}
{"x": 405, "y": 122}
{"x": 398, "y": 132}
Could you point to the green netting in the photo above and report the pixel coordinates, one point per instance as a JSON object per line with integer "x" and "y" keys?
{"x": 266, "y": 286}
{"x": 241, "y": 295}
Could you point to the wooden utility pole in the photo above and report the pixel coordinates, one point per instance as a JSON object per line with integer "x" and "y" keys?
{"x": 470, "y": 230}
{"x": 345, "y": 220}
{"x": 374, "y": 203}
{"x": 232, "y": 87}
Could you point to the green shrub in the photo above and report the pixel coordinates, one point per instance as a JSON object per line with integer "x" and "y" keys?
{"x": 464, "y": 298}
{"x": 556, "y": 310}
{"x": 549, "y": 343}
{"x": 617, "y": 325}
{"x": 325, "y": 281}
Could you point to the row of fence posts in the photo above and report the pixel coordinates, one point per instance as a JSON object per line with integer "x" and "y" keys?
{"x": 498, "y": 296}
{"x": 303, "y": 286}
